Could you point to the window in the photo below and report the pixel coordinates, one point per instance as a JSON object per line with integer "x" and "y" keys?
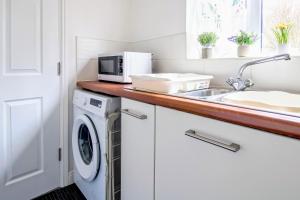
{"x": 276, "y": 11}
{"x": 228, "y": 17}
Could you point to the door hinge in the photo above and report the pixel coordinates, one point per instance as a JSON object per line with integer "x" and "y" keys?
{"x": 58, "y": 68}
{"x": 59, "y": 154}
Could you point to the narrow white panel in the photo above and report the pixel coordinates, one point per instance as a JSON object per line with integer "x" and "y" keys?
{"x": 24, "y": 139}
{"x": 24, "y": 36}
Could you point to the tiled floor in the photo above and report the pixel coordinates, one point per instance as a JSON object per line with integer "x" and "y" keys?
{"x": 68, "y": 193}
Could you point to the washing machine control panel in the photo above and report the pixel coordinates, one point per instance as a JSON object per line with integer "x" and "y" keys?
{"x": 96, "y": 102}
{"x": 90, "y": 102}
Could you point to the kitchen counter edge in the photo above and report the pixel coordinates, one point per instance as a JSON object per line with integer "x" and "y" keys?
{"x": 288, "y": 126}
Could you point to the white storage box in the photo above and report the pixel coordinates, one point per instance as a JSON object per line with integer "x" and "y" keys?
{"x": 170, "y": 83}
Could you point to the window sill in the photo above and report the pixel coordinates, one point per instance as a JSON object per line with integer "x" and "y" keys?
{"x": 251, "y": 57}
{"x": 237, "y": 58}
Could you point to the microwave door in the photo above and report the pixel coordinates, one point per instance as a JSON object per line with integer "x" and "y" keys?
{"x": 108, "y": 65}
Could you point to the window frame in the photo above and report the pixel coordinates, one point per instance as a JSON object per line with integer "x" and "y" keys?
{"x": 255, "y": 20}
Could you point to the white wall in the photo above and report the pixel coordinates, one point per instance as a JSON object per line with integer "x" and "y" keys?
{"x": 156, "y": 18}
{"x": 91, "y": 27}
{"x": 159, "y": 27}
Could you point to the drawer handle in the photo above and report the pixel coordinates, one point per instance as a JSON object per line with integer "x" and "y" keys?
{"x": 126, "y": 111}
{"x": 212, "y": 140}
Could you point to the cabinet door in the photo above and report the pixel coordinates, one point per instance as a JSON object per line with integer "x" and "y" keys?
{"x": 266, "y": 167}
{"x": 137, "y": 179}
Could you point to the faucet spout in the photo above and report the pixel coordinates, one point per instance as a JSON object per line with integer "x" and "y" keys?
{"x": 264, "y": 60}
{"x": 240, "y": 84}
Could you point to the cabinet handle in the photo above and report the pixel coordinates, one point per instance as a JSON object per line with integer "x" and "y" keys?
{"x": 212, "y": 140}
{"x": 126, "y": 111}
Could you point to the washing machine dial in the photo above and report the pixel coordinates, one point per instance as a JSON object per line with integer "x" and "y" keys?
{"x": 85, "y": 101}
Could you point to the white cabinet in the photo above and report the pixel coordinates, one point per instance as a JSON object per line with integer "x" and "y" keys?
{"x": 266, "y": 167}
{"x": 137, "y": 165}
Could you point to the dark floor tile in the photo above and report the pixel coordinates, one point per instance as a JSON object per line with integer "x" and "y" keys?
{"x": 70, "y": 192}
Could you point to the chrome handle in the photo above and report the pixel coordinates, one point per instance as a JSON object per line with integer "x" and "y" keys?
{"x": 212, "y": 140}
{"x": 126, "y": 111}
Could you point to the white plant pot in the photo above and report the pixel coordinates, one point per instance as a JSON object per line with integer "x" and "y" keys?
{"x": 283, "y": 48}
{"x": 207, "y": 52}
{"x": 244, "y": 51}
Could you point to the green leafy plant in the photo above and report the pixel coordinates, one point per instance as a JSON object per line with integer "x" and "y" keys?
{"x": 282, "y": 33}
{"x": 208, "y": 39}
{"x": 244, "y": 38}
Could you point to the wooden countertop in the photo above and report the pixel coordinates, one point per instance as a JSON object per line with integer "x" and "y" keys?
{"x": 275, "y": 123}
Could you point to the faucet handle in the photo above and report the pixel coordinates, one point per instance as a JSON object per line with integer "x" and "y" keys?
{"x": 248, "y": 83}
{"x": 239, "y": 84}
{"x": 230, "y": 81}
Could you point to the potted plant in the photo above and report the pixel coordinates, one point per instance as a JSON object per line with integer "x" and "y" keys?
{"x": 244, "y": 41}
{"x": 282, "y": 35}
{"x": 208, "y": 41}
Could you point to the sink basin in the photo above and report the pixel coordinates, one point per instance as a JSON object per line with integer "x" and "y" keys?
{"x": 271, "y": 100}
{"x": 205, "y": 93}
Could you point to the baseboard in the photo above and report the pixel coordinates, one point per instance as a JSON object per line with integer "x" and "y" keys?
{"x": 71, "y": 177}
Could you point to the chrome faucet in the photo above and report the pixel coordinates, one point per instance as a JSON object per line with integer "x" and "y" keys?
{"x": 240, "y": 84}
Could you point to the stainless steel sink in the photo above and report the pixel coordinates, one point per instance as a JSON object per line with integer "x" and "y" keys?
{"x": 212, "y": 93}
{"x": 267, "y": 103}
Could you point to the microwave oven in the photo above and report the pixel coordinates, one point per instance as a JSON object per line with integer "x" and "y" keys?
{"x": 118, "y": 67}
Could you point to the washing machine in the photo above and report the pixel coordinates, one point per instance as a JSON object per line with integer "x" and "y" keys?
{"x": 96, "y": 145}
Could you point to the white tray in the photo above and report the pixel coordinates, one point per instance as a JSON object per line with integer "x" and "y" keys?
{"x": 170, "y": 83}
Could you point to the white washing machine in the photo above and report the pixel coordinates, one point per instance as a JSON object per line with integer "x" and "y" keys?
{"x": 96, "y": 143}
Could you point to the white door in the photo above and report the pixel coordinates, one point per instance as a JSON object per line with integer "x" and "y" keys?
{"x": 137, "y": 160}
{"x": 188, "y": 168}
{"x": 29, "y": 98}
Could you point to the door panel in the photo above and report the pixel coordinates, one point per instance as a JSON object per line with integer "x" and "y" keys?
{"x": 29, "y": 97}
{"x": 23, "y": 21}
{"x": 24, "y": 144}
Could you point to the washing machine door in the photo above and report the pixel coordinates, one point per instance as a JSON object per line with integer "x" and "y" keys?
{"x": 86, "y": 148}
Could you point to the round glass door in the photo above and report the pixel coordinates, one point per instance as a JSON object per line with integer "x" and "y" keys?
{"x": 86, "y": 148}
{"x": 85, "y": 144}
